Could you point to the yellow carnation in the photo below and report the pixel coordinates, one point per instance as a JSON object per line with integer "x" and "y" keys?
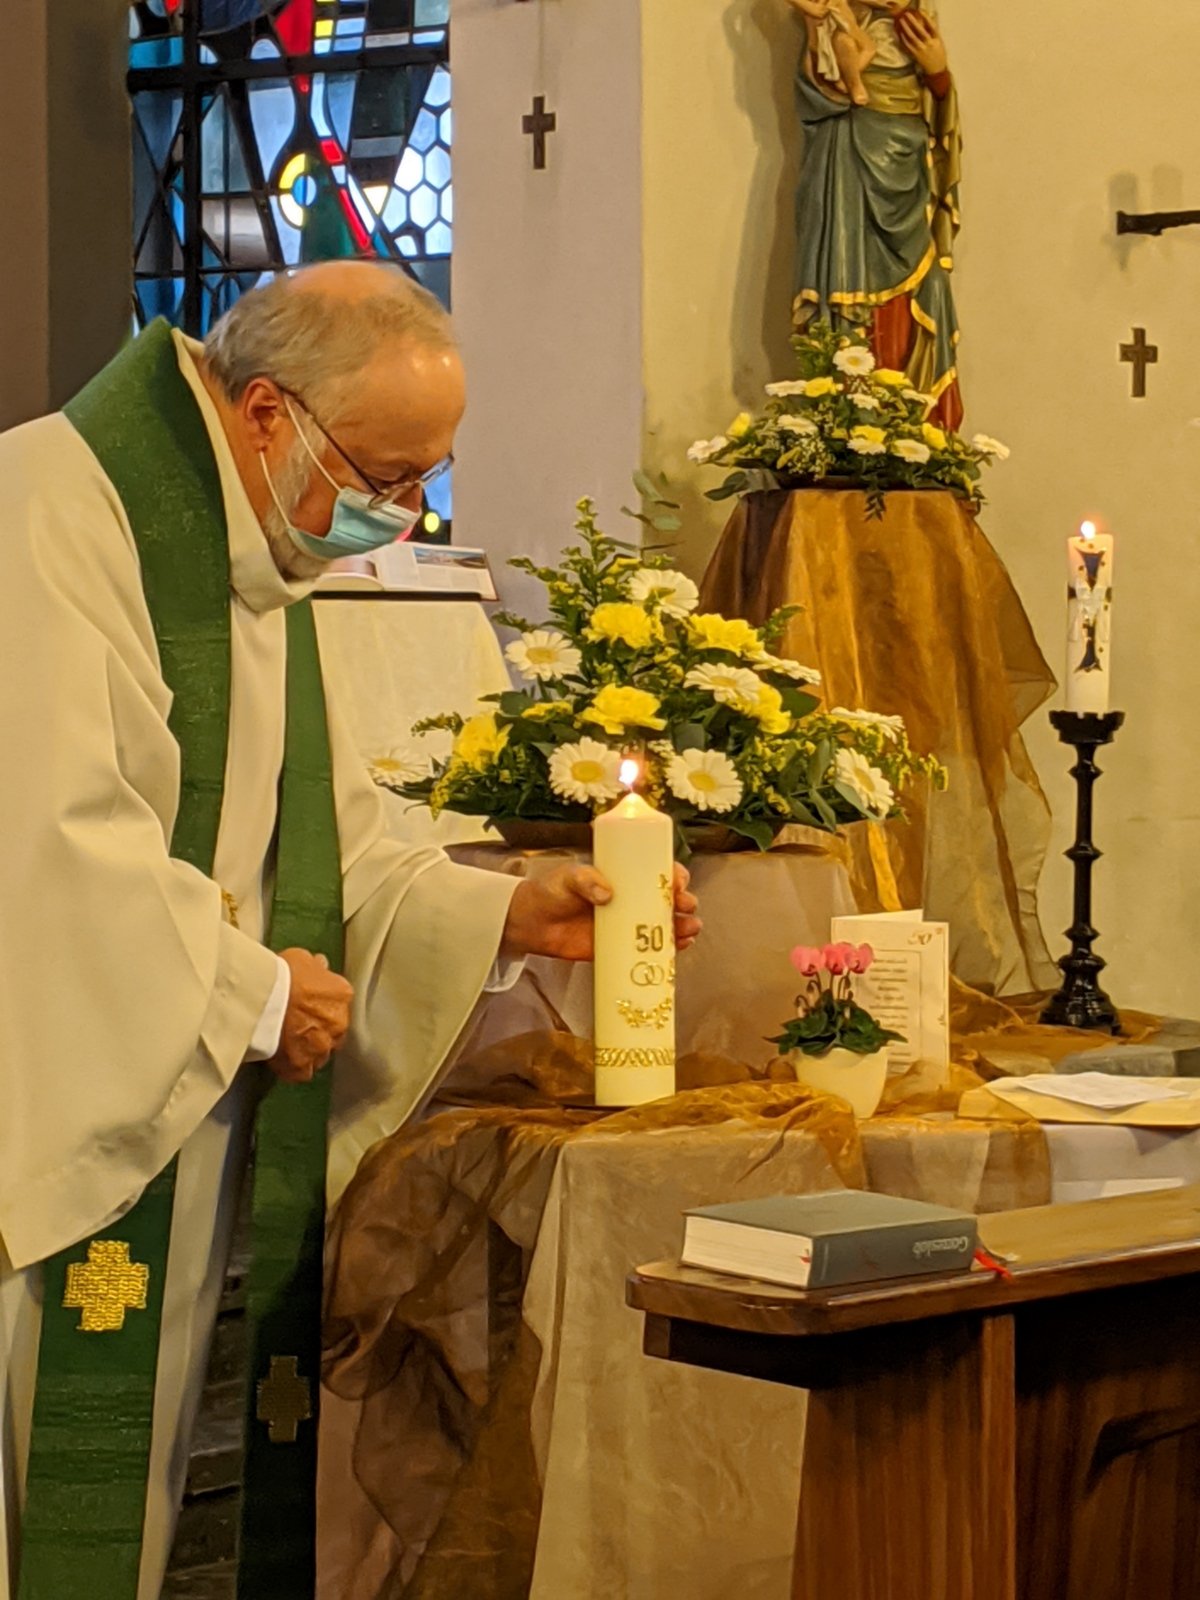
{"x": 616, "y": 709}
{"x": 480, "y": 742}
{"x": 935, "y": 438}
{"x": 710, "y": 631}
{"x": 816, "y": 387}
{"x": 768, "y": 711}
{"x": 740, "y": 426}
{"x": 893, "y": 379}
{"x": 872, "y": 435}
{"x": 626, "y": 623}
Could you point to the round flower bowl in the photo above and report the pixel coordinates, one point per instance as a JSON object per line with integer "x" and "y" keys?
{"x": 858, "y": 1079}
{"x": 531, "y": 834}
{"x": 525, "y": 834}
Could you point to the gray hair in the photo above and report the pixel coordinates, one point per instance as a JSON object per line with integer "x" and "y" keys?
{"x": 310, "y": 341}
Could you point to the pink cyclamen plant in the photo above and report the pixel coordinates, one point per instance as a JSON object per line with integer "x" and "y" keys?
{"x": 827, "y": 1014}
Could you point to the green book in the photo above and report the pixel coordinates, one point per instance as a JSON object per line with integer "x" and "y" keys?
{"x": 821, "y": 1241}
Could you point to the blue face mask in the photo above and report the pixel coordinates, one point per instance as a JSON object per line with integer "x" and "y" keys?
{"x": 357, "y": 527}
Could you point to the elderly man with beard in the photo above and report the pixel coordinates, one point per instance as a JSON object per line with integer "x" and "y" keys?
{"x": 194, "y": 856}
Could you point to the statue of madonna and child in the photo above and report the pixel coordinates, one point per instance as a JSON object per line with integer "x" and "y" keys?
{"x": 876, "y": 205}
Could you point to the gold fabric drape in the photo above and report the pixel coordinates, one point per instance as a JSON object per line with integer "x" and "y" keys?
{"x": 914, "y": 613}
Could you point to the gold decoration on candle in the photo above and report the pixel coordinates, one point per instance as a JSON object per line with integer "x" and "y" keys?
{"x": 607, "y": 1057}
{"x": 649, "y": 974}
{"x": 106, "y": 1286}
{"x": 658, "y": 1016}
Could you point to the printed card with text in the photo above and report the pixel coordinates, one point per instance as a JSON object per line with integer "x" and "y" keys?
{"x": 908, "y": 988}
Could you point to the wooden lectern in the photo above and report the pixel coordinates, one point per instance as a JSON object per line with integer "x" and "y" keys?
{"x": 979, "y": 1438}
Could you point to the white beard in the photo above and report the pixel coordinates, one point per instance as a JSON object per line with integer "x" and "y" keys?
{"x": 291, "y": 481}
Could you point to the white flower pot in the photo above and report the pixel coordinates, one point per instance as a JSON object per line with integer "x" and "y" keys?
{"x": 858, "y": 1079}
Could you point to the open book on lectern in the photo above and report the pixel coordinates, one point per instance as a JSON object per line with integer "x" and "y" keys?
{"x": 413, "y": 569}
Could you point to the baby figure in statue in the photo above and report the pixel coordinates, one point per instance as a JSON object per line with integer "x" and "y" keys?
{"x": 843, "y": 38}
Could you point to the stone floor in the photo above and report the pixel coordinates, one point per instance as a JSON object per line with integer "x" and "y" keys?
{"x": 204, "y": 1560}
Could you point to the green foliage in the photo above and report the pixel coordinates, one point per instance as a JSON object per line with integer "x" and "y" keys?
{"x": 834, "y": 1024}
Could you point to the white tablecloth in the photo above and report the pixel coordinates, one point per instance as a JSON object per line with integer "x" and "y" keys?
{"x": 1091, "y": 1163}
{"x": 396, "y": 661}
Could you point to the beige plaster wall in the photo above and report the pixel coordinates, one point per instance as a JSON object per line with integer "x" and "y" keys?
{"x": 1069, "y": 117}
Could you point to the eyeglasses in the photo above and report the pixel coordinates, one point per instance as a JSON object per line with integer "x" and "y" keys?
{"x": 382, "y": 494}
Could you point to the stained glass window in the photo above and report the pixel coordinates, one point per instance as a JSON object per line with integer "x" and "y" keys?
{"x": 269, "y": 133}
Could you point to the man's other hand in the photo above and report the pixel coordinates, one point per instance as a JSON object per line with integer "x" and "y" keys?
{"x": 316, "y": 1020}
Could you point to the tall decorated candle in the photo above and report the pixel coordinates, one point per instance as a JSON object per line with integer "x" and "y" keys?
{"x": 632, "y": 845}
{"x": 1089, "y": 619}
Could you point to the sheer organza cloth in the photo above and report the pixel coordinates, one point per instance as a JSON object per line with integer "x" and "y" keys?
{"x": 915, "y": 613}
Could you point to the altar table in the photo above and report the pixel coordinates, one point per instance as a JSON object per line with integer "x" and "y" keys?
{"x": 976, "y": 1438}
{"x": 490, "y": 1428}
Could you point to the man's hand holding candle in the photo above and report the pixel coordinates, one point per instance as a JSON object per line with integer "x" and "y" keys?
{"x": 554, "y": 915}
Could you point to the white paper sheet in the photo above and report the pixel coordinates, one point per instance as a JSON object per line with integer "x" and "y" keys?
{"x": 1103, "y": 1091}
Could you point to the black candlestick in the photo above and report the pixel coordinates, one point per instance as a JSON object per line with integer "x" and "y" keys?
{"x": 1081, "y": 1002}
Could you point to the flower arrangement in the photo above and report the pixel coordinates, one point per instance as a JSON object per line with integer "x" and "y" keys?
{"x": 827, "y": 1015}
{"x": 726, "y": 730}
{"x": 848, "y": 419}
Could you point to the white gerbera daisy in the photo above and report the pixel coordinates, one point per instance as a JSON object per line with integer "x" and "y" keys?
{"x": 586, "y": 771}
{"x": 732, "y": 686}
{"x": 706, "y": 779}
{"x": 401, "y": 765}
{"x": 868, "y": 785}
{"x": 791, "y": 386}
{"x": 892, "y": 726}
{"x": 915, "y": 395}
{"x": 705, "y": 449}
{"x": 544, "y": 655}
{"x": 868, "y": 447}
{"x": 914, "y": 450}
{"x": 991, "y": 447}
{"x": 793, "y": 424}
{"x": 786, "y": 668}
{"x": 855, "y": 359}
{"x": 867, "y": 402}
{"x": 673, "y": 592}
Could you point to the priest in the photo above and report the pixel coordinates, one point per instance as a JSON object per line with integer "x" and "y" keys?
{"x": 202, "y": 906}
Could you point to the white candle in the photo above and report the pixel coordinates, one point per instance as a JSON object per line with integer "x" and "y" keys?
{"x": 1089, "y": 619}
{"x": 632, "y": 845}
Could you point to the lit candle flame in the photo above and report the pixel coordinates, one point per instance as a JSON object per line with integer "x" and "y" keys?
{"x": 1088, "y": 530}
{"x": 630, "y": 772}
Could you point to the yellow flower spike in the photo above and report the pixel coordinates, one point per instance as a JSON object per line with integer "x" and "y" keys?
{"x": 740, "y": 426}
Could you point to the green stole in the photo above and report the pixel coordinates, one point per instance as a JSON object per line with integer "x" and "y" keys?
{"x": 86, "y": 1487}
